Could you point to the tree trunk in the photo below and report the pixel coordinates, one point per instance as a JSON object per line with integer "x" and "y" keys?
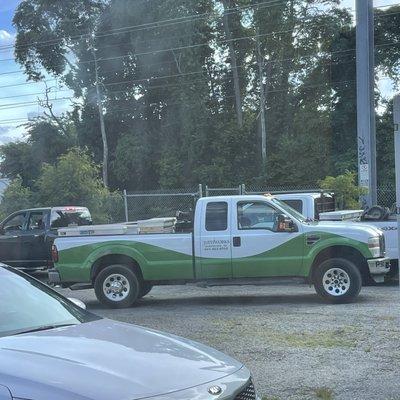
{"x": 232, "y": 54}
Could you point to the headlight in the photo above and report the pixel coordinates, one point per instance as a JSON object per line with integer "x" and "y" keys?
{"x": 374, "y": 244}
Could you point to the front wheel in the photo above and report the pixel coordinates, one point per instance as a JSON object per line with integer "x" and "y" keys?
{"x": 145, "y": 289}
{"x": 337, "y": 280}
{"x": 117, "y": 286}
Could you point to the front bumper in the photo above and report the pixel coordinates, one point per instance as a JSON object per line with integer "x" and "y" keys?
{"x": 378, "y": 268}
{"x": 54, "y": 276}
{"x": 233, "y": 387}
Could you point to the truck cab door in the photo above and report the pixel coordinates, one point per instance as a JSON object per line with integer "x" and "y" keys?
{"x": 11, "y": 246}
{"x": 215, "y": 240}
{"x": 33, "y": 237}
{"x": 259, "y": 249}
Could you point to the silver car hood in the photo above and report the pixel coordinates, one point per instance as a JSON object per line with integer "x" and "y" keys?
{"x": 105, "y": 360}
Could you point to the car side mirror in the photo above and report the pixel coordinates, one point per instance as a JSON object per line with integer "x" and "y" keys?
{"x": 77, "y": 302}
{"x": 285, "y": 224}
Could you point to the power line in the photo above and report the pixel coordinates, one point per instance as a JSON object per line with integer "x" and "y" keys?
{"x": 183, "y": 19}
{"x": 151, "y": 25}
{"x": 24, "y": 104}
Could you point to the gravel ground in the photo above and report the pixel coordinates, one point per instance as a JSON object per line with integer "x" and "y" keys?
{"x": 296, "y": 346}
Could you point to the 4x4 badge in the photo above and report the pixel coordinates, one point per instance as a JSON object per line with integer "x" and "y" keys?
{"x": 214, "y": 390}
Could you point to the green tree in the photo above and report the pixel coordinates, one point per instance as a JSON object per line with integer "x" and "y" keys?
{"x": 15, "y": 197}
{"x": 74, "y": 180}
{"x": 44, "y": 143}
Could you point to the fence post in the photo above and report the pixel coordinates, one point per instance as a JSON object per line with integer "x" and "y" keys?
{"x": 207, "y": 194}
{"x": 126, "y": 206}
{"x": 243, "y": 189}
{"x": 200, "y": 190}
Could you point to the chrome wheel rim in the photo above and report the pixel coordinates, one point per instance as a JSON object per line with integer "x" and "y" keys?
{"x": 336, "y": 281}
{"x": 116, "y": 287}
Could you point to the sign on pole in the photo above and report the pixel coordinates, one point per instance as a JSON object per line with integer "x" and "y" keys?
{"x": 366, "y": 136}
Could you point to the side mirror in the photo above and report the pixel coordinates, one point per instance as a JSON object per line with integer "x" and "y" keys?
{"x": 77, "y": 302}
{"x": 285, "y": 224}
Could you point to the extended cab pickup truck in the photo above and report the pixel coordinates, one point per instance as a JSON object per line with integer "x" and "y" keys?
{"x": 26, "y": 236}
{"x": 235, "y": 240}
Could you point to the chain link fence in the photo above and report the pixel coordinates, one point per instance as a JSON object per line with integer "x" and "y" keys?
{"x": 157, "y": 203}
{"x": 164, "y": 203}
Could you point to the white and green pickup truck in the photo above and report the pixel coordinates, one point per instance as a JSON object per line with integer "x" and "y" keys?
{"x": 321, "y": 206}
{"x": 235, "y": 240}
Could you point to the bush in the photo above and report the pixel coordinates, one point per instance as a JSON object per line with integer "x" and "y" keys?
{"x": 74, "y": 180}
{"x": 347, "y": 192}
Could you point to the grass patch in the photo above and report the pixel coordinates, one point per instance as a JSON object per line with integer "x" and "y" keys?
{"x": 324, "y": 393}
{"x": 328, "y": 339}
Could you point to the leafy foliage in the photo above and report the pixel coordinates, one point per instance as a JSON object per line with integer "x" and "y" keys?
{"x": 347, "y": 192}
{"x": 15, "y": 197}
{"x": 73, "y": 180}
{"x": 167, "y": 80}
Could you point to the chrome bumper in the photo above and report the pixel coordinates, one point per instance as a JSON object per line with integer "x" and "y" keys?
{"x": 378, "y": 268}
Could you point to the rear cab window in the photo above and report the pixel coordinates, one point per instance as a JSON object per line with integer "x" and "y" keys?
{"x": 69, "y": 217}
{"x": 295, "y": 204}
{"x": 217, "y": 216}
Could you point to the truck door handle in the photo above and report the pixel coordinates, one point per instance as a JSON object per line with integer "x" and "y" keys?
{"x": 237, "y": 242}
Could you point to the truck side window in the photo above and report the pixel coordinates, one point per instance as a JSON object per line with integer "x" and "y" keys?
{"x": 15, "y": 223}
{"x": 217, "y": 216}
{"x": 36, "y": 220}
{"x": 256, "y": 215}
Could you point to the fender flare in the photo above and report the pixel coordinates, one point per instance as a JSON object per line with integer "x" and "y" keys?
{"x": 117, "y": 250}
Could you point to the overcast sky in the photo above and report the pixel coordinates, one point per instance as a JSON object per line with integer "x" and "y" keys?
{"x": 28, "y": 92}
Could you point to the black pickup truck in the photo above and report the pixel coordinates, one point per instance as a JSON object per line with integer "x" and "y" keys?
{"x": 26, "y": 236}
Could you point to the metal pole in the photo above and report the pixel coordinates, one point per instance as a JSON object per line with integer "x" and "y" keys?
{"x": 365, "y": 100}
{"x": 200, "y": 190}
{"x": 126, "y": 206}
{"x": 396, "y": 116}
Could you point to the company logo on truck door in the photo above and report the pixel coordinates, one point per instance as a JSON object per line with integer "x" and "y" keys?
{"x": 216, "y": 245}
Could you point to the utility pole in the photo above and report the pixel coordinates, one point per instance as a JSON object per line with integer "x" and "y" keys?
{"x": 262, "y": 100}
{"x": 101, "y": 116}
{"x": 396, "y": 115}
{"x": 366, "y": 135}
{"x": 232, "y": 54}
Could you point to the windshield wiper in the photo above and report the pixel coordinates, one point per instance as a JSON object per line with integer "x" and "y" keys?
{"x": 43, "y": 328}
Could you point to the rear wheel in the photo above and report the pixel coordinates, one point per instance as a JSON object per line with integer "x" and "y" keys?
{"x": 117, "y": 286}
{"x": 337, "y": 280}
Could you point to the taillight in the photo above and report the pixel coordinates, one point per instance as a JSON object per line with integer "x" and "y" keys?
{"x": 54, "y": 253}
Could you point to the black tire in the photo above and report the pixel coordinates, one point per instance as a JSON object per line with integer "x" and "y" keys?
{"x": 337, "y": 280}
{"x": 128, "y": 280}
{"x": 145, "y": 289}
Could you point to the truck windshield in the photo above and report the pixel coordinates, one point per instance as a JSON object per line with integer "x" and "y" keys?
{"x": 291, "y": 211}
{"x": 62, "y": 218}
{"x": 27, "y": 305}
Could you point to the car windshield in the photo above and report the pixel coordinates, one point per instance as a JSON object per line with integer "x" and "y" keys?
{"x": 28, "y": 305}
{"x": 291, "y": 211}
